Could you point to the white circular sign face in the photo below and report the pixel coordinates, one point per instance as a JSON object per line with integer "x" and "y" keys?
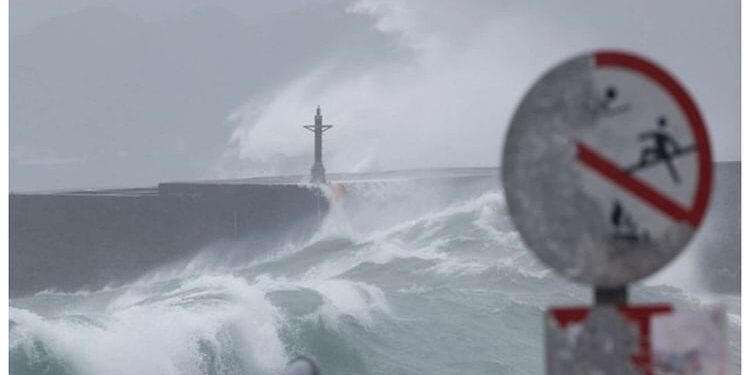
{"x": 607, "y": 168}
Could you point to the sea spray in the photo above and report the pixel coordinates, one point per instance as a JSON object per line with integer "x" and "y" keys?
{"x": 446, "y": 290}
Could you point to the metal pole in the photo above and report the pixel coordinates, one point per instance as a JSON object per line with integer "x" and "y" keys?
{"x": 611, "y": 296}
{"x": 318, "y": 137}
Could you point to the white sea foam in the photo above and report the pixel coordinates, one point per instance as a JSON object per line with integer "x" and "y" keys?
{"x": 394, "y": 294}
{"x": 162, "y": 334}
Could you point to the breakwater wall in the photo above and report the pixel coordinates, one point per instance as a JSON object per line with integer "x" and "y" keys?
{"x": 87, "y": 239}
{"x": 69, "y": 241}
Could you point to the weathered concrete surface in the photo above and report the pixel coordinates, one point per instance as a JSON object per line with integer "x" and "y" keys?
{"x": 73, "y": 240}
{"x": 84, "y": 240}
{"x": 718, "y": 241}
{"x": 67, "y": 241}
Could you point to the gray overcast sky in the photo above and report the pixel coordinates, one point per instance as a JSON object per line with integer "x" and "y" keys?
{"x": 133, "y": 92}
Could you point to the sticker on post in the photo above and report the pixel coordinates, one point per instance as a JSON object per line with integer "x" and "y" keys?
{"x": 645, "y": 339}
{"x": 607, "y": 168}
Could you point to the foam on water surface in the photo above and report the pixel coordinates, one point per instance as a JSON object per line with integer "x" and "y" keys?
{"x": 444, "y": 287}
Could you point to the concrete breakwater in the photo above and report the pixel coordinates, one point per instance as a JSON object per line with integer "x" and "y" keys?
{"x": 69, "y": 241}
{"x": 87, "y": 239}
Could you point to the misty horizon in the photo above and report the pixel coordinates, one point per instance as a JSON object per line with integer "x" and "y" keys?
{"x": 180, "y": 91}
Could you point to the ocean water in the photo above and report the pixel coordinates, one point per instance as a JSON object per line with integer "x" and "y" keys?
{"x": 388, "y": 285}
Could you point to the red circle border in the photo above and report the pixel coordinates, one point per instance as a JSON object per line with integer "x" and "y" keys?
{"x": 690, "y": 109}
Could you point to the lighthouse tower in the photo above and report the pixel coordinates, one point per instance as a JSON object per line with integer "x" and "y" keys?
{"x": 318, "y": 172}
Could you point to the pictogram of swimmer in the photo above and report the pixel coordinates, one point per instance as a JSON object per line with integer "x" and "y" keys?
{"x": 662, "y": 148}
{"x": 608, "y": 104}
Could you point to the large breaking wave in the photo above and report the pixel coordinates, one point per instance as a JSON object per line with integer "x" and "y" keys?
{"x": 444, "y": 286}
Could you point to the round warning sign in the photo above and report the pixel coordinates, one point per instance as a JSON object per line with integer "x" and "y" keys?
{"x": 607, "y": 168}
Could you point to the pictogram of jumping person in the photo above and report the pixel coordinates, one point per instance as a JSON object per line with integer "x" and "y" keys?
{"x": 662, "y": 148}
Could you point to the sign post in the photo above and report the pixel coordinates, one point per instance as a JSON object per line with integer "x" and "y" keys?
{"x": 607, "y": 173}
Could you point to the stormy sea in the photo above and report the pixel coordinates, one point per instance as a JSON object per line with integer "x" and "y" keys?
{"x": 399, "y": 279}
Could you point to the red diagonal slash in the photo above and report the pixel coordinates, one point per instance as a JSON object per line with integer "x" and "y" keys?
{"x": 693, "y": 216}
{"x": 607, "y": 169}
